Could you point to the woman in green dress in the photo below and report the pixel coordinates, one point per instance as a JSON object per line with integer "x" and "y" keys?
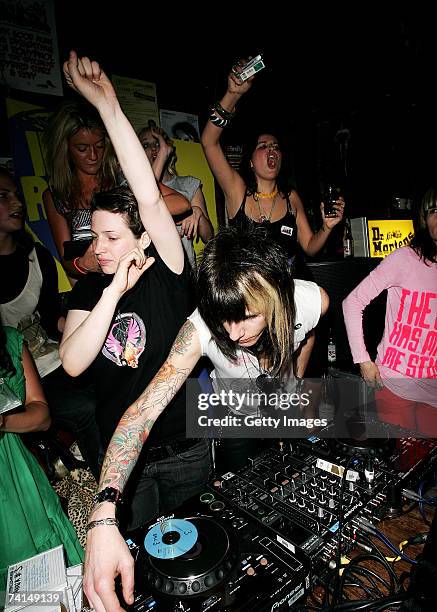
{"x": 31, "y": 516}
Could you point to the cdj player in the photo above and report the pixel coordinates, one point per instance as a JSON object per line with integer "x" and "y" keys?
{"x": 254, "y": 540}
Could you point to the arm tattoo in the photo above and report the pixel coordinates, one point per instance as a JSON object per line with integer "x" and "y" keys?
{"x": 136, "y": 423}
{"x": 183, "y": 339}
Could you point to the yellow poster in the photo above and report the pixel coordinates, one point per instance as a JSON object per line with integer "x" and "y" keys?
{"x": 191, "y": 161}
{"x": 388, "y": 235}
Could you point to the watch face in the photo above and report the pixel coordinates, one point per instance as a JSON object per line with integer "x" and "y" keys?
{"x": 109, "y": 494}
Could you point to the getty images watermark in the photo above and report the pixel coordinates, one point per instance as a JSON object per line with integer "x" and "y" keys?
{"x": 340, "y": 407}
{"x": 240, "y": 409}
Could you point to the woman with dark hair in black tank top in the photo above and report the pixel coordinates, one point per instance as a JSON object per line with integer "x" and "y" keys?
{"x": 261, "y": 197}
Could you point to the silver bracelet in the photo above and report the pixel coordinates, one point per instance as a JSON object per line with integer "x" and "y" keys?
{"x": 105, "y": 521}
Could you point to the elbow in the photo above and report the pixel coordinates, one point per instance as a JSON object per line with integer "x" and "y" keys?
{"x": 70, "y": 369}
{"x": 45, "y": 425}
{"x": 42, "y": 421}
{"x": 325, "y": 301}
{"x": 69, "y": 366}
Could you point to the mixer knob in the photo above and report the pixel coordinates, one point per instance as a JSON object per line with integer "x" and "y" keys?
{"x": 301, "y": 503}
{"x": 332, "y": 491}
{"x": 195, "y": 586}
{"x": 182, "y": 588}
{"x": 303, "y": 490}
{"x": 209, "y": 581}
{"x": 311, "y": 508}
{"x": 304, "y": 477}
{"x": 313, "y": 469}
{"x": 322, "y": 499}
{"x": 320, "y": 513}
{"x": 351, "y": 486}
{"x": 323, "y": 486}
{"x": 323, "y": 475}
{"x": 292, "y": 497}
{"x": 331, "y": 503}
{"x": 312, "y": 494}
{"x": 313, "y": 482}
{"x": 158, "y": 582}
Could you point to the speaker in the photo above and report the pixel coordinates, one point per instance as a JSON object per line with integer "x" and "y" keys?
{"x": 339, "y": 278}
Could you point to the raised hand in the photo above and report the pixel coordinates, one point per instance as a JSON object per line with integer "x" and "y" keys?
{"x": 130, "y": 268}
{"x": 330, "y": 222}
{"x": 166, "y": 147}
{"x": 87, "y": 78}
{"x": 235, "y": 85}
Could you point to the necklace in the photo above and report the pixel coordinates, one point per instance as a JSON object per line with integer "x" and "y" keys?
{"x": 262, "y": 216}
{"x": 266, "y": 196}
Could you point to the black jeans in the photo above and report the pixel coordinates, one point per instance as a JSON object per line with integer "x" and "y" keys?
{"x": 159, "y": 487}
{"x": 73, "y": 406}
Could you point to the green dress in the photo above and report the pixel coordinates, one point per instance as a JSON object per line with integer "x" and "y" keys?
{"x": 31, "y": 516}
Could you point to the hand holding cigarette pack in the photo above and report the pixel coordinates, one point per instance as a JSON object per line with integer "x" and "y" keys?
{"x": 252, "y": 67}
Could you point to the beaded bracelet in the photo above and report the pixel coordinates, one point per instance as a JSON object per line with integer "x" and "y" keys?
{"x": 223, "y": 112}
{"x": 78, "y": 268}
{"x": 105, "y": 521}
{"x": 220, "y": 122}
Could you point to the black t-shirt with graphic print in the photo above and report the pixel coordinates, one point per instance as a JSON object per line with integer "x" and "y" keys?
{"x": 145, "y": 323}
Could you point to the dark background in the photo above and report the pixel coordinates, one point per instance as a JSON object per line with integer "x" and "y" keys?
{"x": 350, "y": 90}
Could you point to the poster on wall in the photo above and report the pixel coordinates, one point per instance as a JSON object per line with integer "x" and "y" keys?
{"x": 29, "y": 47}
{"x": 190, "y": 160}
{"x": 26, "y": 123}
{"x": 183, "y": 126}
{"x": 137, "y": 99}
{"x": 387, "y": 235}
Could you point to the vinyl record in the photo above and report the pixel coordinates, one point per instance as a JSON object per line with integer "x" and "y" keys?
{"x": 170, "y": 539}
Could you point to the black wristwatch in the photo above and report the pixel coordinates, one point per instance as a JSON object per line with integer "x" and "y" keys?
{"x": 109, "y": 494}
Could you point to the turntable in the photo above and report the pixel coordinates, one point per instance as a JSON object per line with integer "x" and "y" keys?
{"x": 195, "y": 556}
{"x": 210, "y": 558}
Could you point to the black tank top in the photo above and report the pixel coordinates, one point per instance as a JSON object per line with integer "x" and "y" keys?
{"x": 283, "y": 231}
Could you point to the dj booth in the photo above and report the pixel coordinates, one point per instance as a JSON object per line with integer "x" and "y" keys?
{"x": 265, "y": 537}
{"x": 271, "y": 535}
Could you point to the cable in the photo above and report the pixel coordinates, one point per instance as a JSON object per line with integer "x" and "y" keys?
{"x": 340, "y": 526}
{"x": 421, "y": 508}
{"x": 372, "y": 530}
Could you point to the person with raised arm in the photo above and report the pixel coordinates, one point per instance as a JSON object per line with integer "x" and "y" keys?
{"x": 121, "y": 323}
{"x": 258, "y": 194}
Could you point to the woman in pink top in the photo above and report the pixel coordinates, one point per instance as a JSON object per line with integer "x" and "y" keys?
{"x": 405, "y": 370}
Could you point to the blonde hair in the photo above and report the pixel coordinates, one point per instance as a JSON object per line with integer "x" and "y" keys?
{"x": 70, "y": 117}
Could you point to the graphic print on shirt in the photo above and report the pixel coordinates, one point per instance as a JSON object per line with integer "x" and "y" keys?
{"x": 414, "y": 331}
{"x": 126, "y": 340}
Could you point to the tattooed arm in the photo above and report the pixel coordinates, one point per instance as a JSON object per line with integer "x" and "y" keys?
{"x": 107, "y": 554}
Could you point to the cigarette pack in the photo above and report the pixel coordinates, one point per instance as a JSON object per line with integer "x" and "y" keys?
{"x": 255, "y": 65}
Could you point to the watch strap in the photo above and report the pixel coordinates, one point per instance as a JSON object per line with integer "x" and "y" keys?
{"x": 108, "y": 494}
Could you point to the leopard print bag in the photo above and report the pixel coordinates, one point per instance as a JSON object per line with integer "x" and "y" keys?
{"x": 76, "y": 491}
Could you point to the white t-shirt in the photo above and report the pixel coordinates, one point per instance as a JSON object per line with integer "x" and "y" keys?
{"x": 240, "y": 375}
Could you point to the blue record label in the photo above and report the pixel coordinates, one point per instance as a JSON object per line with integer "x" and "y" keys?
{"x": 170, "y": 539}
